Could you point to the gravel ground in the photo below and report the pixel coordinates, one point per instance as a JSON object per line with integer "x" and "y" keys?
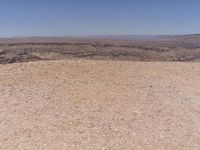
{"x": 100, "y": 105}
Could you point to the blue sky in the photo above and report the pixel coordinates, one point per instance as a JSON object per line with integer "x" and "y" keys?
{"x": 98, "y": 17}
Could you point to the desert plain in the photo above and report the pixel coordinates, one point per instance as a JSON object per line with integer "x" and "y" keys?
{"x": 125, "y": 97}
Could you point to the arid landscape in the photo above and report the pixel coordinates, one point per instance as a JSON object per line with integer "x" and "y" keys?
{"x": 173, "y": 48}
{"x": 100, "y": 93}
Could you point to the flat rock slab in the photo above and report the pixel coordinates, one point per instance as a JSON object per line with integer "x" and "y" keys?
{"x": 103, "y": 105}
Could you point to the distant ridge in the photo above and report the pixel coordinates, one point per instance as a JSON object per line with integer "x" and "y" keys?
{"x": 184, "y": 38}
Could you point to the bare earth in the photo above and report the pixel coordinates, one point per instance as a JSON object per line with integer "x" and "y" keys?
{"x": 100, "y": 105}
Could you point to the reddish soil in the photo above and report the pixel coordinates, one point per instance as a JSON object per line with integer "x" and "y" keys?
{"x": 105, "y": 105}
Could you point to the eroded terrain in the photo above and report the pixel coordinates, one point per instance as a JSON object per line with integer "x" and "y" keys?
{"x": 34, "y": 49}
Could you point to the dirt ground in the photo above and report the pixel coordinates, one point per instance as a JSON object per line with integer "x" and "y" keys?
{"x": 100, "y": 105}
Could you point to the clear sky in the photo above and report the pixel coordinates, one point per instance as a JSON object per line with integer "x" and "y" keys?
{"x": 98, "y": 17}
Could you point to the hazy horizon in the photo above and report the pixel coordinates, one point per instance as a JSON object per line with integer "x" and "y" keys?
{"x": 83, "y": 36}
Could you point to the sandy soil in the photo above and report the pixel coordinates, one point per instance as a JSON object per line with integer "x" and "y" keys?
{"x": 103, "y": 105}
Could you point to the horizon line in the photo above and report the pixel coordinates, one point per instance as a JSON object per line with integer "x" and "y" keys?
{"x": 96, "y": 35}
